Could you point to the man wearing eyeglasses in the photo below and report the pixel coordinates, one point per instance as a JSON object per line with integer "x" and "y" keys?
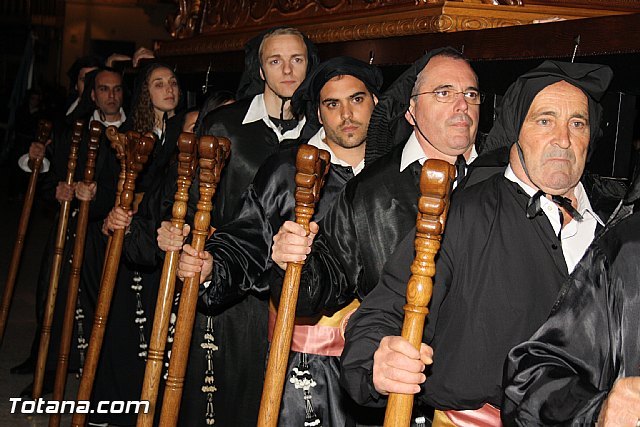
{"x": 509, "y": 244}
{"x": 431, "y": 111}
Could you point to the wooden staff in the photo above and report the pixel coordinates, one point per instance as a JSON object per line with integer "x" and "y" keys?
{"x": 187, "y": 158}
{"x": 435, "y": 186}
{"x": 312, "y": 166}
{"x": 137, "y": 153}
{"x": 118, "y": 144}
{"x": 56, "y": 264}
{"x": 95, "y": 131}
{"x": 44, "y": 129}
{"x": 213, "y": 152}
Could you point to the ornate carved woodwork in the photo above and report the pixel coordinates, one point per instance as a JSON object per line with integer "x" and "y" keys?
{"x": 204, "y": 27}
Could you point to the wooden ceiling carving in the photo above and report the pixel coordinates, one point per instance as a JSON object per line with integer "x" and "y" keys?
{"x": 219, "y": 27}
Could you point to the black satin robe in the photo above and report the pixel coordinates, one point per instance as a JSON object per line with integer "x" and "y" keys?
{"x": 58, "y": 154}
{"x": 240, "y": 328}
{"x": 490, "y": 292}
{"x": 362, "y": 228}
{"x": 563, "y": 374}
{"x": 241, "y": 250}
{"x": 121, "y": 370}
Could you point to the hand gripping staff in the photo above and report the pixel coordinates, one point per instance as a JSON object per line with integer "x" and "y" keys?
{"x": 44, "y": 130}
{"x": 95, "y": 131}
{"x": 137, "y": 153}
{"x": 56, "y": 264}
{"x": 312, "y": 166}
{"x": 435, "y": 185}
{"x": 187, "y": 160}
{"x": 213, "y": 153}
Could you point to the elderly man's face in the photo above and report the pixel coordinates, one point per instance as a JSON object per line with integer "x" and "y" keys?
{"x": 555, "y": 137}
{"x": 450, "y": 127}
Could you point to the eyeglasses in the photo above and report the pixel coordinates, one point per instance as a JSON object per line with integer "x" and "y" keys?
{"x": 446, "y": 96}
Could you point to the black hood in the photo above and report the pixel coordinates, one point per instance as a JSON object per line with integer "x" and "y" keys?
{"x": 388, "y": 126}
{"x": 251, "y": 84}
{"x": 306, "y": 99}
{"x": 592, "y": 79}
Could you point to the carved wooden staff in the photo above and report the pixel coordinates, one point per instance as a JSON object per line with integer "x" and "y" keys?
{"x": 137, "y": 153}
{"x": 56, "y": 264}
{"x": 187, "y": 158}
{"x": 312, "y": 166}
{"x": 95, "y": 131}
{"x": 435, "y": 186}
{"x": 44, "y": 129}
{"x": 213, "y": 152}
{"x": 118, "y": 144}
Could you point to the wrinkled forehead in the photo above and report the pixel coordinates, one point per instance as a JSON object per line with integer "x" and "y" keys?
{"x": 561, "y": 95}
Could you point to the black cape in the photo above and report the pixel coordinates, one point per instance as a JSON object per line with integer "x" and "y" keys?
{"x": 490, "y": 293}
{"x": 240, "y": 324}
{"x": 563, "y": 374}
{"x": 121, "y": 368}
{"x": 241, "y": 250}
{"x": 364, "y": 226}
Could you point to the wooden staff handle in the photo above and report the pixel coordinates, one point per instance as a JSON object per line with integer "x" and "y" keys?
{"x": 187, "y": 158}
{"x": 213, "y": 153}
{"x": 56, "y": 264}
{"x": 137, "y": 152}
{"x": 44, "y": 130}
{"x": 435, "y": 186}
{"x": 312, "y": 166}
{"x": 95, "y": 131}
{"x": 118, "y": 144}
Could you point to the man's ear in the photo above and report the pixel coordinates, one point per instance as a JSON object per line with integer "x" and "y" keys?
{"x": 375, "y": 100}
{"x": 320, "y": 116}
{"x": 262, "y": 73}
{"x": 410, "y": 114}
{"x": 93, "y": 95}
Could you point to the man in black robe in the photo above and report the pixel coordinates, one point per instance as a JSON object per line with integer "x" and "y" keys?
{"x": 582, "y": 366}
{"x": 431, "y": 111}
{"x": 258, "y": 125}
{"x": 509, "y": 243}
{"x": 103, "y": 102}
{"x": 341, "y": 93}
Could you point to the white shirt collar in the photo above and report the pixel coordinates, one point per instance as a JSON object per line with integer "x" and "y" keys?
{"x": 318, "y": 141}
{"x": 584, "y": 205}
{"x": 413, "y": 151}
{"x": 258, "y": 111}
{"x": 576, "y": 236}
{"x": 117, "y": 123}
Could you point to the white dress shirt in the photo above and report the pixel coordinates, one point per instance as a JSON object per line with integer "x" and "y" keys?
{"x": 258, "y": 111}
{"x": 575, "y": 236}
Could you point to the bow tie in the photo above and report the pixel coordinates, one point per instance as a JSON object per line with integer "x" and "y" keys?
{"x": 534, "y": 207}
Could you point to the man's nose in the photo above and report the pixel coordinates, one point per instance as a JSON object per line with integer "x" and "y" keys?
{"x": 460, "y": 102}
{"x": 346, "y": 112}
{"x": 562, "y": 137}
{"x": 287, "y": 69}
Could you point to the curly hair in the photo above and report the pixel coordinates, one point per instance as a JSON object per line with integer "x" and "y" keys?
{"x": 142, "y": 112}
